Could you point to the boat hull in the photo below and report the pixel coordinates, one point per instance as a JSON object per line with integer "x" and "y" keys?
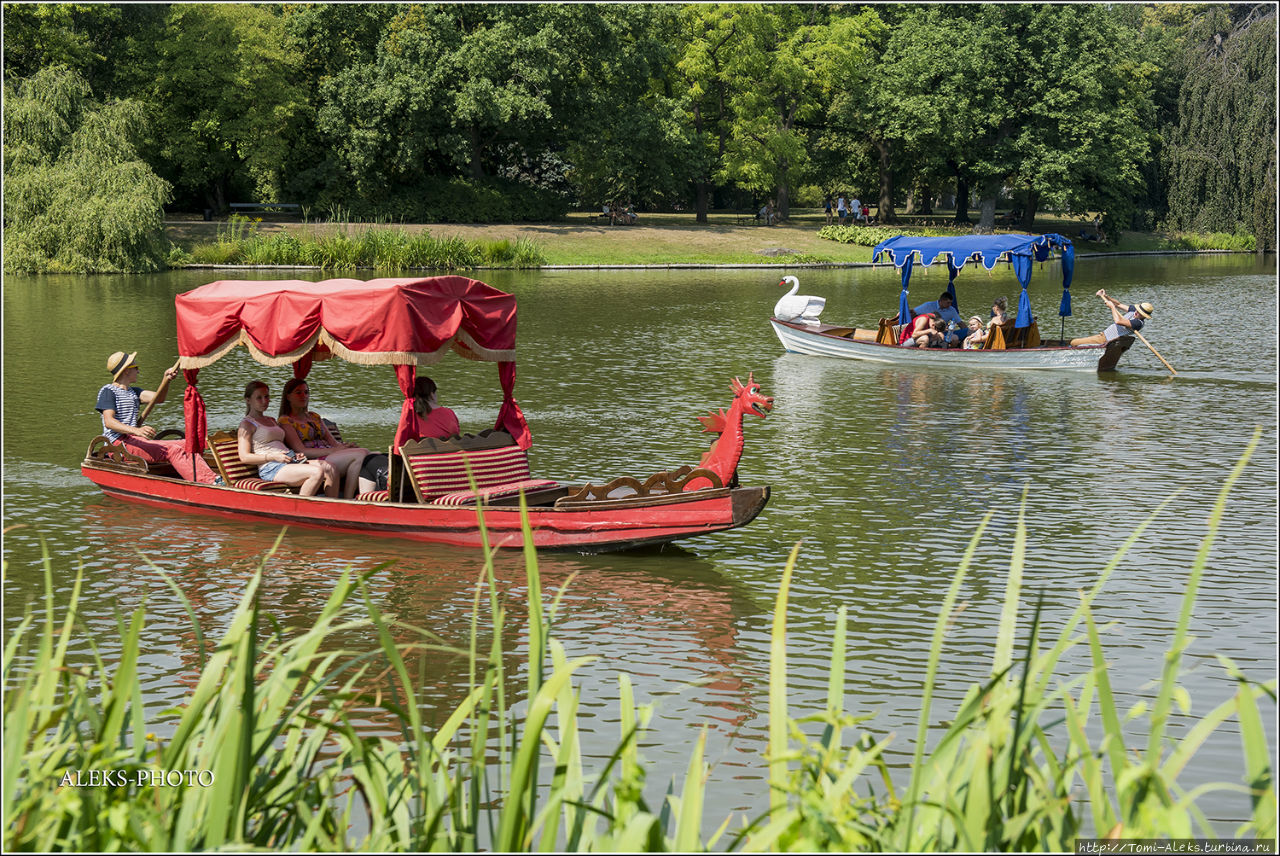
{"x": 590, "y": 527}
{"x": 801, "y": 339}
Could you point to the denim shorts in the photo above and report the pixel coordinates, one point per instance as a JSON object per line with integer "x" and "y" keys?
{"x": 269, "y": 469}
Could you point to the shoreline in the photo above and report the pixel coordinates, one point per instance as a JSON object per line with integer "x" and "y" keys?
{"x": 720, "y": 266}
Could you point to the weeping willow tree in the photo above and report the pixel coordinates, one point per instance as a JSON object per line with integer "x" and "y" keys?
{"x": 77, "y": 196}
{"x": 1221, "y": 156}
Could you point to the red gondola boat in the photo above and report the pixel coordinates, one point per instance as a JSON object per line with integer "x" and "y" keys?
{"x": 406, "y": 323}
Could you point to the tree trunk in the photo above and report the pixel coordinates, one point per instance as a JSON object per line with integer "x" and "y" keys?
{"x": 926, "y": 199}
{"x": 987, "y": 220}
{"x": 911, "y": 201}
{"x": 477, "y": 168}
{"x": 1029, "y": 213}
{"x": 962, "y": 200}
{"x": 784, "y": 201}
{"x": 885, "y": 212}
{"x": 700, "y": 201}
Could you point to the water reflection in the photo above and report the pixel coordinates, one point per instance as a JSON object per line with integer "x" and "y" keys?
{"x": 608, "y": 605}
{"x": 883, "y": 474}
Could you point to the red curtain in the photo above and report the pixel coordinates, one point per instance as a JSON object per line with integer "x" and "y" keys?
{"x": 406, "y": 376}
{"x": 302, "y": 366}
{"x": 510, "y": 417}
{"x": 193, "y": 414}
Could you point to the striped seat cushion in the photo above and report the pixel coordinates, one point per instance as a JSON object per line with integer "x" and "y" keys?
{"x": 234, "y": 471}
{"x": 466, "y": 497}
{"x": 375, "y": 496}
{"x": 259, "y": 484}
{"x": 447, "y": 472}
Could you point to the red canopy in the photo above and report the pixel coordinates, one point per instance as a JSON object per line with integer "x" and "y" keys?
{"x": 402, "y": 322}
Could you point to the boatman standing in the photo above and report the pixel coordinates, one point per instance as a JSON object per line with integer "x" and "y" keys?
{"x": 120, "y": 404}
{"x": 1127, "y": 319}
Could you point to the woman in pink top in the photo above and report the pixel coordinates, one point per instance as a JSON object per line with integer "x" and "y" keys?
{"x": 433, "y": 420}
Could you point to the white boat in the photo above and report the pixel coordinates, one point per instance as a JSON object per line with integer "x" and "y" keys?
{"x": 825, "y": 340}
{"x": 1015, "y": 346}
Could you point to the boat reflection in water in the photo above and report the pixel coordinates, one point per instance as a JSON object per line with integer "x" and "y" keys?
{"x": 669, "y": 622}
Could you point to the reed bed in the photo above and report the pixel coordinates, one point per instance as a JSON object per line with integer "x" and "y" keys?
{"x": 272, "y": 715}
{"x": 376, "y": 246}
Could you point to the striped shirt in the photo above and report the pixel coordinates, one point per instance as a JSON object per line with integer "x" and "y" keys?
{"x": 125, "y": 402}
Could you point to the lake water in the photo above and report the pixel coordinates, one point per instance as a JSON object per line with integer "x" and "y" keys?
{"x": 882, "y": 474}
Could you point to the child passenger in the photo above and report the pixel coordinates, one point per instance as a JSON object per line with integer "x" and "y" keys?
{"x": 977, "y": 334}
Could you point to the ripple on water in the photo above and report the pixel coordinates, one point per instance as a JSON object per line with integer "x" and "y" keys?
{"x": 884, "y": 475}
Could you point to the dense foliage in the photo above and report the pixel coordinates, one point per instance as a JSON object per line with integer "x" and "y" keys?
{"x": 77, "y": 197}
{"x": 492, "y": 112}
{"x": 1221, "y": 154}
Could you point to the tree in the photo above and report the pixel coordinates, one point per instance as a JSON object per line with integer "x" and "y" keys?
{"x": 781, "y": 77}
{"x": 1221, "y": 155}
{"x": 228, "y": 100}
{"x": 77, "y": 197}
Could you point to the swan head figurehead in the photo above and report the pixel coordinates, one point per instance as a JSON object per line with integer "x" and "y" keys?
{"x": 791, "y": 281}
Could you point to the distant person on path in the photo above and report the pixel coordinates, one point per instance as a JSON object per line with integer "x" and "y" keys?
{"x": 826, "y": 207}
{"x": 1126, "y": 319}
{"x": 120, "y": 403}
{"x": 855, "y": 206}
{"x": 943, "y": 307}
{"x": 841, "y": 210}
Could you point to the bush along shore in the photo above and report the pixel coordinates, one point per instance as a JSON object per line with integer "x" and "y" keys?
{"x": 869, "y": 236}
{"x": 1028, "y": 761}
{"x": 384, "y": 247}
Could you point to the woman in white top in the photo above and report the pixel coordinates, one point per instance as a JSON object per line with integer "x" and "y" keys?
{"x": 261, "y": 442}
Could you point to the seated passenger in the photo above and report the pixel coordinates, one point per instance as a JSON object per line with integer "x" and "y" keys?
{"x": 306, "y": 429}
{"x": 932, "y": 334}
{"x": 944, "y": 307}
{"x": 977, "y": 336}
{"x": 261, "y": 442}
{"x": 430, "y": 420}
{"x": 915, "y": 327}
{"x": 998, "y": 312}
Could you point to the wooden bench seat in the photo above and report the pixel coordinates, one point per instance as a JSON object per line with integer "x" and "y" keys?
{"x": 468, "y": 470}
{"x": 234, "y": 472}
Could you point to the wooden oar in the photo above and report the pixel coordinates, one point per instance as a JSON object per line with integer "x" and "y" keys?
{"x": 1171, "y": 369}
{"x": 164, "y": 384}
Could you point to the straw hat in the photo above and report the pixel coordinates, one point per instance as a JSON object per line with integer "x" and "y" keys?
{"x": 118, "y": 362}
{"x": 1144, "y": 310}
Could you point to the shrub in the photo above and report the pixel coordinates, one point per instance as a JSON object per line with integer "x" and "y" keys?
{"x": 869, "y": 236}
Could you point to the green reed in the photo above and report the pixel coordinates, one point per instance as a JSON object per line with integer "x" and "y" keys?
{"x": 374, "y": 246}
{"x": 273, "y": 717}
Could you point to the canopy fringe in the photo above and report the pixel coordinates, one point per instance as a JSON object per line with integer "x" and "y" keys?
{"x": 462, "y": 344}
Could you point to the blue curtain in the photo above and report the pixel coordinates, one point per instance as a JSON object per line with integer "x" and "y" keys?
{"x": 952, "y": 270}
{"x": 1068, "y": 269}
{"x": 904, "y": 308}
{"x": 1022, "y": 270}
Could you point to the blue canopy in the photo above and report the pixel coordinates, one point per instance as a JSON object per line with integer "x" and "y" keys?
{"x": 987, "y": 250}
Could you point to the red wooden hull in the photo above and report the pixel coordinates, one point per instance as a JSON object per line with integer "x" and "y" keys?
{"x": 594, "y": 527}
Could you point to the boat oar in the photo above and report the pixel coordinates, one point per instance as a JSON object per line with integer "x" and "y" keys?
{"x": 1171, "y": 369}
{"x": 164, "y": 384}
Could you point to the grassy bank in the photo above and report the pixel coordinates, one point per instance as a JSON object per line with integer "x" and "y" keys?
{"x": 1028, "y": 760}
{"x": 583, "y": 239}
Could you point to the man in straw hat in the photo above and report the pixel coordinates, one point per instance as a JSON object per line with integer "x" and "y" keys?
{"x": 1127, "y": 319}
{"x": 120, "y": 403}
